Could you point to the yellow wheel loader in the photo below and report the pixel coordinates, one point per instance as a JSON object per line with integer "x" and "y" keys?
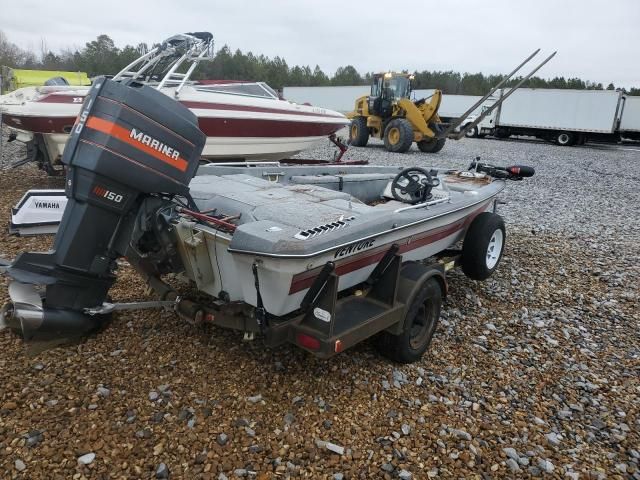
{"x": 389, "y": 114}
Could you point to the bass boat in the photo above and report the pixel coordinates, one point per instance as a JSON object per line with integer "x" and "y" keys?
{"x": 320, "y": 256}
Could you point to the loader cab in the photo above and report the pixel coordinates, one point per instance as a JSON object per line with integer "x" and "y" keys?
{"x": 387, "y": 88}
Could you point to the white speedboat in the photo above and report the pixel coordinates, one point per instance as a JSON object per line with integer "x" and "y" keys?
{"x": 242, "y": 120}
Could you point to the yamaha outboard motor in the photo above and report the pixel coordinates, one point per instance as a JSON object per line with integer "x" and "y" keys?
{"x": 132, "y": 148}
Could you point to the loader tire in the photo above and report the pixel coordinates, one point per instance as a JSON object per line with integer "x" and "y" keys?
{"x": 398, "y": 136}
{"x": 433, "y": 145}
{"x": 358, "y": 132}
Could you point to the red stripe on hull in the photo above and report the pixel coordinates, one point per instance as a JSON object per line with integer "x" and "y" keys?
{"x": 212, "y": 127}
{"x": 229, "y": 127}
{"x": 56, "y": 98}
{"x": 40, "y": 124}
{"x": 304, "y": 280}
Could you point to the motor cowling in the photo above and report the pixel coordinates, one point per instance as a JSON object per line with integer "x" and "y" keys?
{"x": 129, "y": 145}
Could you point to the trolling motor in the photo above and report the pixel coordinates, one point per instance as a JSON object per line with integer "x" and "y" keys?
{"x": 513, "y": 172}
{"x": 131, "y": 149}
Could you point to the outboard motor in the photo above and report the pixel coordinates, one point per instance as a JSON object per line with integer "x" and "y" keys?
{"x": 132, "y": 148}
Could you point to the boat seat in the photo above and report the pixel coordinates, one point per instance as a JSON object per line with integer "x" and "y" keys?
{"x": 366, "y": 187}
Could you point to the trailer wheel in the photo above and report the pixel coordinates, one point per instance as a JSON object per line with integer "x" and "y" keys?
{"x": 358, "y": 132}
{"x": 433, "y": 145}
{"x": 565, "y": 139}
{"x": 420, "y": 324}
{"x": 398, "y": 135}
{"x": 483, "y": 246}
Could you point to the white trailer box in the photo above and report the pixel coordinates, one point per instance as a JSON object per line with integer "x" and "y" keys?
{"x": 341, "y": 99}
{"x": 595, "y": 111}
{"x": 453, "y": 106}
{"x": 631, "y": 115}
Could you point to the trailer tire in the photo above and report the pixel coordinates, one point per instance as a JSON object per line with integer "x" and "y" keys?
{"x": 433, "y": 145}
{"x": 472, "y": 132}
{"x": 420, "y": 323}
{"x": 398, "y": 135}
{"x": 359, "y": 132}
{"x": 565, "y": 139}
{"x": 483, "y": 246}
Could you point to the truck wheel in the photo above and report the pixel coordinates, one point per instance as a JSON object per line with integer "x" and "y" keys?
{"x": 472, "y": 132}
{"x": 433, "y": 145}
{"x": 420, "y": 324}
{"x": 358, "y": 132}
{"x": 398, "y": 136}
{"x": 502, "y": 133}
{"x": 483, "y": 246}
{"x": 565, "y": 139}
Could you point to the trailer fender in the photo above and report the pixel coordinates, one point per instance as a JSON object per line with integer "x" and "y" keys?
{"x": 412, "y": 276}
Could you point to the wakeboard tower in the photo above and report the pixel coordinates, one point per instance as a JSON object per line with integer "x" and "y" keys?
{"x": 320, "y": 256}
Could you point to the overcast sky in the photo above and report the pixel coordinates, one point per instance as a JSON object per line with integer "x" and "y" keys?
{"x": 596, "y": 40}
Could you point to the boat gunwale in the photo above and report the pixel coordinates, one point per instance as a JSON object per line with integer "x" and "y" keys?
{"x": 373, "y": 235}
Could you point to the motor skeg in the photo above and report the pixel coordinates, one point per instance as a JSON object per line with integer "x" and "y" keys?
{"x": 129, "y": 142}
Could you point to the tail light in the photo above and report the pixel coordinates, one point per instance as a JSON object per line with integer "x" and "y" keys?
{"x": 308, "y": 341}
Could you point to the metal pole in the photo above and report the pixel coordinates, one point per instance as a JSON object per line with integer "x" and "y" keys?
{"x": 462, "y": 117}
{"x": 460, "y": 134}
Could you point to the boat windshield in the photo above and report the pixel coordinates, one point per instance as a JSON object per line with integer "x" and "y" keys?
{"x": 257, "y": 89}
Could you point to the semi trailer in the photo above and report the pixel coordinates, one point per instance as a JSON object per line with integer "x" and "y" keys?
{"x": 566, "y": 117}
{"x": 630, "y": 124}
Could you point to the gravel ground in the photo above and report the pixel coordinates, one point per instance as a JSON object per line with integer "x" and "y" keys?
{"x": 532, "y": 373}
{"x": 9, "y": 151}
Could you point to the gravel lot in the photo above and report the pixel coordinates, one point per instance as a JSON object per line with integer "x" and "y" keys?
{"x": 532, "y": 373}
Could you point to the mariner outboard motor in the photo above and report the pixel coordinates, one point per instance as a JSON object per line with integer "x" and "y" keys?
{"x": 131, "y": 149}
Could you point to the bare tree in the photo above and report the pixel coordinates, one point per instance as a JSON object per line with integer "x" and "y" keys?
{"x": 10, "y": 54}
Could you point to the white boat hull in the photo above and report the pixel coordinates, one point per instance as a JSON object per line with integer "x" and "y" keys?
{"x": 284, "y": 281}
{"x": 237, "y": 127}
{"x": 257, "y": 148}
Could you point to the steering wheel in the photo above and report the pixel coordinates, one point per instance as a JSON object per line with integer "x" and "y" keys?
{"x": 413, "y": 185}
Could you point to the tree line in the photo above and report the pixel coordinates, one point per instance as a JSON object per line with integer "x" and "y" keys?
{"x": 102, "y": 57}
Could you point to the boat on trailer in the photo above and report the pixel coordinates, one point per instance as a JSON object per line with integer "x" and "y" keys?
{"x": 242, "y": 120}
{"x": 293, "y": 220}
{"x": 320, "y": 256}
